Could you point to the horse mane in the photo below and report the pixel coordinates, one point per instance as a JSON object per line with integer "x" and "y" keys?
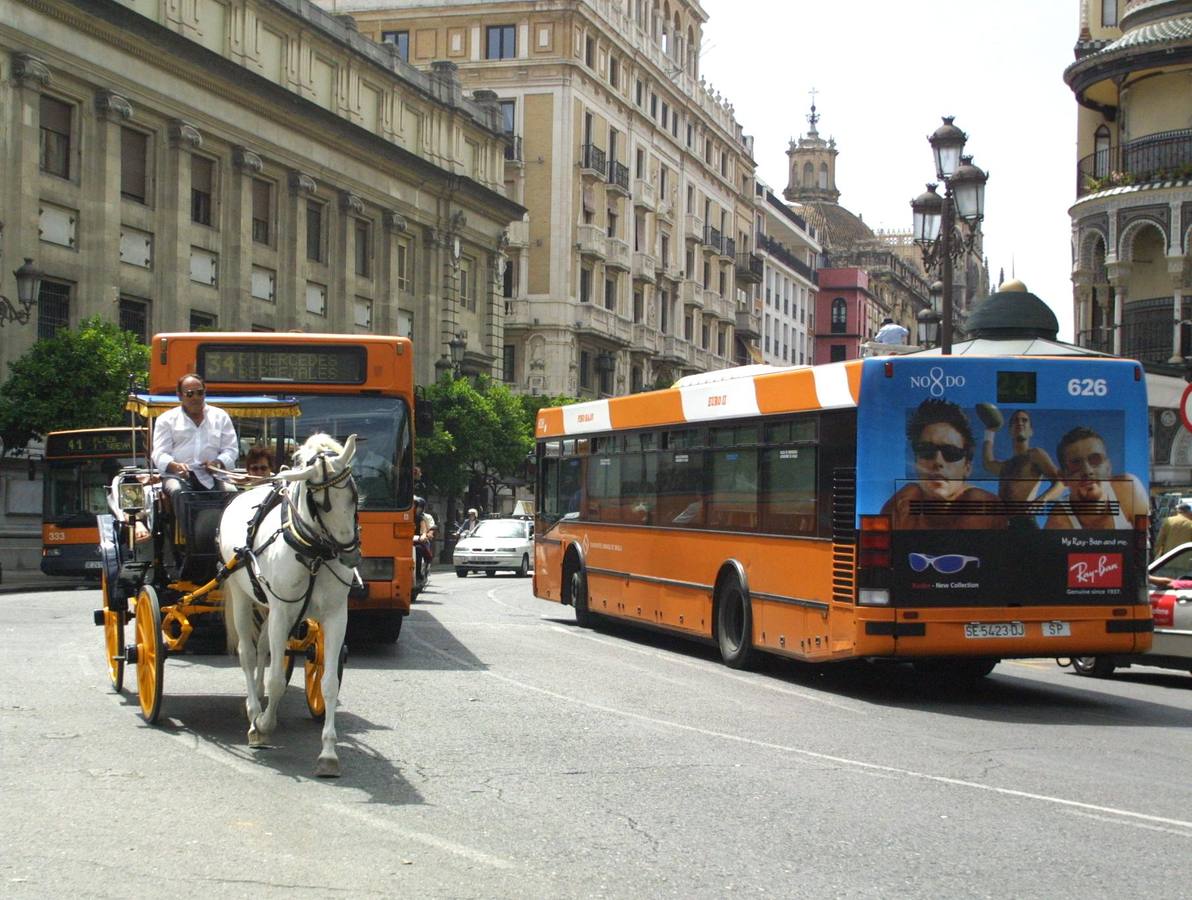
{"x": 316, "y": 444}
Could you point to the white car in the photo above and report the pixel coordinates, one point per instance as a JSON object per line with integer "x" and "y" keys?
{"x": 496, "y": 544}
{"x": 1171, "y": 605}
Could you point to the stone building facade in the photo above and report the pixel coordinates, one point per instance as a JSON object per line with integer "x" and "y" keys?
{"x": 248, "y": 166}
{"x": 637, "y": 177}
{"x": 1132, "y": 219}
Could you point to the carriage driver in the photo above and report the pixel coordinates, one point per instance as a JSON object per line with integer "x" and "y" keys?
{"x": 191, "y": 440}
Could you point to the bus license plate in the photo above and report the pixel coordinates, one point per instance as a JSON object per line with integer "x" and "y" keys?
{"x": 93, "y": 564}
{"x": 1056, "y": 629}
{"x": 994, "y": 630}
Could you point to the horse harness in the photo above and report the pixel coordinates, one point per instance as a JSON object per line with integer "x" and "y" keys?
{"x": 312, "y": 547}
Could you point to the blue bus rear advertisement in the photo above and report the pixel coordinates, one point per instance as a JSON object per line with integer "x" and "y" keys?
{"x": 1018, "y": 480}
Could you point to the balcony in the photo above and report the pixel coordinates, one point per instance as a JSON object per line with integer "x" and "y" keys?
{"x": 750, "y": 268}
{"x": 1147, "y": 329}
{"x": 712, "y": 238}
{"x": 605, "y": 323}
{"x": 618, "y": 178}
{"x": 645, "y": 338}
{"x": 728, "y": 247}
{"x": 711, "y": 299}
{"x": 644, "y": 193}
{"x": 513, "y": 149}
{"x": 616, "y": 254}
{"x": 519, "y": 234}
{"x": 691, "y": 294}
{"x": 786, "y": 257}
{"x": 590, "y": 241}
{"x": 676, "y": 349}
{"x": 693, "y": 227}
{"x": 645, "y": 267}
{"x": 592, "y": 161}
{"x": 665, "y": 210}
{"x": 749, "y": 326}
{"x": 1157, "y": 157}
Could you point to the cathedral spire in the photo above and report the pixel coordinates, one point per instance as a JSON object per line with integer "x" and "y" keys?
{"x": 814, "y": 117}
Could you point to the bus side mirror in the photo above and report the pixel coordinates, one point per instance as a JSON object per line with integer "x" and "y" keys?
{"x": 424, "y": 416}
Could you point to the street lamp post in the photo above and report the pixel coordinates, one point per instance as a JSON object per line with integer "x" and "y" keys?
{"x": 28, "y": 287}
{"x": 935, "y": 216}
{"x": 457, "y": 345}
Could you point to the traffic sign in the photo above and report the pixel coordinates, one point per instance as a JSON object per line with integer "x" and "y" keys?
{"x": 1186, "y": 408}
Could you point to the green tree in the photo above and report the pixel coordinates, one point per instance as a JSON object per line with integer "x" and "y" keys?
{"x": 76, "y": 379}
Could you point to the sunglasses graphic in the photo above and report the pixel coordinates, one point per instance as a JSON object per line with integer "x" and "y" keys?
{"x": 925, "y": 450}
{"x": 948, "y": 564}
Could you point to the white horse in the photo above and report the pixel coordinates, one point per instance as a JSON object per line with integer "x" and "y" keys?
{"x": 303, "y": 563}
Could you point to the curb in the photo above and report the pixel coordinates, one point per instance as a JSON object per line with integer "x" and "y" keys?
{"x": 30, "y": 584}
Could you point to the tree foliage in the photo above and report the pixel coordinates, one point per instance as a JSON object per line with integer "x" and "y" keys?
{"x": 76, "y": 379}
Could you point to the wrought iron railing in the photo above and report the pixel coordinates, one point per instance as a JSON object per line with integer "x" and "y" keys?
{"x": 750, "y": 266}
{"x": 592, "y": 157}
{"x": 618, "y": 175}
{"x": 1147, "y": 329}
{"x": 1156, "y": 157}
{"x": 728, "y": 247}
{"x": 779, "y": 251}
{"x": 712, "y": 237}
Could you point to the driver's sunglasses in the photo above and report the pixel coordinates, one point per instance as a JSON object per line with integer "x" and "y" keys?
{"x": 926, "y": 450}
{"x": 195, "y": 392}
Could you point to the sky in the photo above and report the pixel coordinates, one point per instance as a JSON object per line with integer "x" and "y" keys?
{"x": 998, "y": 70}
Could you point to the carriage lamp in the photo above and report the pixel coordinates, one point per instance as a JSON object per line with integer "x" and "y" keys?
{"x": 934, "y": 217}
{"x": 131, "y": 496}
{"x": 28, "y": 287}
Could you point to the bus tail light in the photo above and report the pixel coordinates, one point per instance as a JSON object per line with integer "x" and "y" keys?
{"x": 874, "y": 543}
{"x": 873, "y": 597}
{"x": 376, "y": 568}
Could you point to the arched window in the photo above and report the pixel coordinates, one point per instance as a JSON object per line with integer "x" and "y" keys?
{"x": 808, "y": 175}
{"x": 839, "y": 316}
{"x": 823, "y": 176}
{"x": 692, "y": 55}
{"x": 1101, "y": 152}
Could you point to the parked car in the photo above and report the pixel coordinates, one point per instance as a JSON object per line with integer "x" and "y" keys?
{"x": 496, "y": 544}
{"x": 1171, "y": 606}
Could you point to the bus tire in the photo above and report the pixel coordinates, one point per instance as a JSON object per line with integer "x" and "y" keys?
{"x": 1093, "y": 666}
{"x": 578, "y": 584}
{"x": 734, "y": 625}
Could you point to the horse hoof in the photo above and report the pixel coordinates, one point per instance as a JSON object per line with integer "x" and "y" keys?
{"x": 254, "y": 737}
{"x": 327, "y": 768}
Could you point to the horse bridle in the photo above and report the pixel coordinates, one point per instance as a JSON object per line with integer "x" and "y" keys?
{"x": 322, "y": 545}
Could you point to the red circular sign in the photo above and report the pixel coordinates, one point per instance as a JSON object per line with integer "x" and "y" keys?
{"x": 1185, "y": 410}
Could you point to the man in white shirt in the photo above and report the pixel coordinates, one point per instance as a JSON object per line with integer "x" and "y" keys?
{"x": 891, "y": 332}
{"x": 192, "y": 440}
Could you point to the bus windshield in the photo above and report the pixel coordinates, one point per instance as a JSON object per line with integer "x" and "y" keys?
{"x": 76, "y": 489}
{"x": 383, "y": 441}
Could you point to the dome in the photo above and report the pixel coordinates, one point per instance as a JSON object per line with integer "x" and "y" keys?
{"x": 1013, "y": 312}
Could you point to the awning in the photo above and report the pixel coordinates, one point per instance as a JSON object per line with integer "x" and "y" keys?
{"x": 149, "y": 405}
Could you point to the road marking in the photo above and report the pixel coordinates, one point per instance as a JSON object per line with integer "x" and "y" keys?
{"x": 422, "y": 837}
{"x": 811, "y": 754}
{"x": 1116, "y": 821}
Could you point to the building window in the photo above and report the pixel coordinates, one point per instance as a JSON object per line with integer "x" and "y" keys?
{"x": 134, "y": 317}
{"x": 664, "y": 312}
{"x": 720, "y": 342}
{"x": 363, "y": 248}
{"x": 585, "y": 285}
{"x": 1101, "y": 147}
{"x": 639, "y": 169}
{"x": 203, "y": 321}
{"x": 836, "y": 353}
{"x": 403, "y": 266}
{"x": 363, "y": 313}
{"x": 316, "y": 298}
{"x": 507, "y": 363}
{"x": 53, "y": 308}
{"x": 638, "y": 307}
{"x": 703, "y": 336}
{"x": 202, "y": 177}
{"x": 1109, "y": 12}
{"x": 689, "y": 327}
{"x": 614, "y": 71}
{"x": 314, "y": 231}
{"x": 467, "y": 294}
{"x": 653, "y": 106}
{"x": 262, "y": 210}
{"x": 508, "y": 114}
{"x": 640, "y": 93}
{"x": 400, "y": 40}
{"x": 690, "y": 135}
{"x": 509, "y": 280}
{"x": 55, "y": 136}
{"x": 134, "y": 181}
{"x": 590, "y": 51}
{"x": 839, "y": 316}
{"x": 501, "y": 43}
{"x": 664, "y": 249}
{"x": 610, "y": 293}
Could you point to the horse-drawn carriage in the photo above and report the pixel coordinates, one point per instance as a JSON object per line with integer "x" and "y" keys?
{"x": 274, "y": 560}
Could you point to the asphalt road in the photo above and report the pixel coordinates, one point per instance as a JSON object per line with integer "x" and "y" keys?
{"x": 500, "y": 751}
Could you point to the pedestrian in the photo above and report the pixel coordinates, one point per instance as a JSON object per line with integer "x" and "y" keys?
{"x": 1175, "y": 530}
{"x": 891, "y": 332}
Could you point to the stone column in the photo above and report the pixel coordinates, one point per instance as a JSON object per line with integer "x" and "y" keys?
{"x": 393, "y": 225}
{"x": 99, "y": 285}
{"x": 1119, "y": 278}
{"x": 341, "y": 314}
{"x": 172, "y": 248}
{"x": 291, "y": 253}
{"x": 235, "y": 292}
{"x": 1082, "y": 299}
{"x": 1175, "y": 271}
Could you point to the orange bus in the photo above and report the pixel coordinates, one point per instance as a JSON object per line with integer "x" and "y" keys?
{"x": 945, "y": 510}
{"x": 79, "y": 466}
{"x": 344, "y": 384}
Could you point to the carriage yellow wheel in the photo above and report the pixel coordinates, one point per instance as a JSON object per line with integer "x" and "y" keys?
{"x": 113, "y": 636}
{"x": 151, "y": 654}
{"x": 314, "y": 675}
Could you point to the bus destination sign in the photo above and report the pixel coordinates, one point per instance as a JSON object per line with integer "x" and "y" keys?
{"x": 90, "y": 443}
{"x": 281, "y": 363}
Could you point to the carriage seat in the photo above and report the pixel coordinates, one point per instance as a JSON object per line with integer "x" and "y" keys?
{"x": 197, "y": 514}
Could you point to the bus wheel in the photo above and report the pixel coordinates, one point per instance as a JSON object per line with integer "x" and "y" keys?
{"x": 579, "y": 597}
{"x": 734, "y": 626}
{"x": 1093, "y": 666}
